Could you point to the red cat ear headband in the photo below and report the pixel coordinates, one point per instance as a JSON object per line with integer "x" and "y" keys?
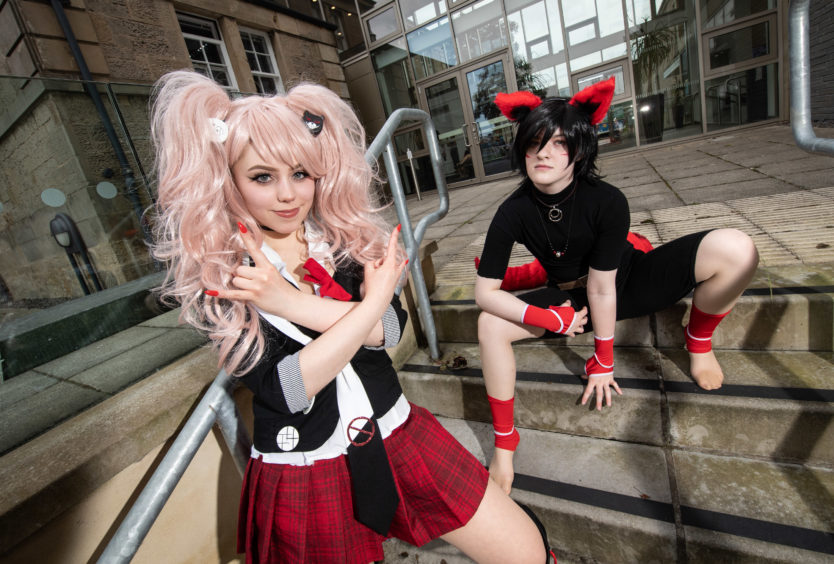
{"x": 594, "y": 100}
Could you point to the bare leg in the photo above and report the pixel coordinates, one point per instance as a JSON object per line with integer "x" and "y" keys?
{"x": 724, "y": 265}
{"x": 499, "y": 532}
{"x": 496, "y": 336}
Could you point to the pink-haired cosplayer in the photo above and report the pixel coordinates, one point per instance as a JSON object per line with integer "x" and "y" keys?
{"x": 266, "y": 221}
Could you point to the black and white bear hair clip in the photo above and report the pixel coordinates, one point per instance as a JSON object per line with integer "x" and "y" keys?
{"x": 313, "y": 122}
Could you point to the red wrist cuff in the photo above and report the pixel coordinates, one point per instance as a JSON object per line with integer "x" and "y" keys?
{"x": 602, "y": 363}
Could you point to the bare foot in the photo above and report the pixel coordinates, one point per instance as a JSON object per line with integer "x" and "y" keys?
{"x": 501, "y": 469}
{"x": 705, "y": 370}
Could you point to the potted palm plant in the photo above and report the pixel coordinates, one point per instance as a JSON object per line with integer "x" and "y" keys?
{"x": 651, "y": 49}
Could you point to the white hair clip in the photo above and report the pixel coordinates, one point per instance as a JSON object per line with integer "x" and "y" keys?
{"x": 221, "y": 130}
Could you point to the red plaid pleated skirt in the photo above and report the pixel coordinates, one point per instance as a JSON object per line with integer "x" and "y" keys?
{"x": 305, "y": 513}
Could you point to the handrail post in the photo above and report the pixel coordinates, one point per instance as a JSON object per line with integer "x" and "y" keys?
{"x": 800, "y": 60}
{"x": 412, "y": 237}
{"x": 136, "y": 524}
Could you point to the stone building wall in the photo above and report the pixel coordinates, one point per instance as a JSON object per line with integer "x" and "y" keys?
{"x": 821, "y": 35}
{"x": 51, "y": 136}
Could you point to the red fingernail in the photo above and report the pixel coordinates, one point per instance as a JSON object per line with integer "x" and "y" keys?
{"x": 241, "y": 227}
{"x": 399, "y": 226}
{"x": 212, "y": 293}
{"x": 406, "y": 261}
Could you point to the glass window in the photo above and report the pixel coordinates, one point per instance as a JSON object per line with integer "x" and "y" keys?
{"x": 417, "y": 12}
{"x": 616, "y": 72}
{"x": 206, "y": 49}
{"x": 349, "y": 40}
{"x": 742, "y": 97}
{"x": 640, "y": 11}
{"x": 617, "y": 130}
{"x": 538, "y": 49}
{"x": 479, "y": 29}
{"x": 432, "y": 49}
{"x": 391, "y": 65}
{"x": 666, "y": 75}
{"x": 419, "y": 167}
{"x": 740, "y": 45}
{"x": 261, "y": 60}
{"x": 715, "y": 13}
{"x": 595, "y": 30}
{"x": 382, "y": 25}
{"x": 409, "y": 140}
{"x": 366, "y": 6}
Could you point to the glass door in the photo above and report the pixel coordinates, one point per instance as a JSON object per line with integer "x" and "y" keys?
{"x": 475, "y": 139}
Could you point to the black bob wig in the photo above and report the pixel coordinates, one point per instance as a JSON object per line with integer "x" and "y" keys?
{"x": 575, "y": 124}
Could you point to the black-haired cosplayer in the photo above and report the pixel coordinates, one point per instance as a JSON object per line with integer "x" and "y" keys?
{"x": 576, "y": 226}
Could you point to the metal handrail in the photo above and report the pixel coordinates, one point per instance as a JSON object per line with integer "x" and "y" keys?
{"x": 413, "y": 237}
{"x": 800, "y": 59}
{"x": 218, "y": 406}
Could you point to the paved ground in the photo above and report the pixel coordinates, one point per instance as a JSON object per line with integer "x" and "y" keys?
{"x": 757, "y": 180}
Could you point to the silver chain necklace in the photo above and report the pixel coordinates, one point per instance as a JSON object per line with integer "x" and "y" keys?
{"x": 563, "y": 252}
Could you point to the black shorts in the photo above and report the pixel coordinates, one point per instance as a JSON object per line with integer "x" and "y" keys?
{"x": 654, "y": 281}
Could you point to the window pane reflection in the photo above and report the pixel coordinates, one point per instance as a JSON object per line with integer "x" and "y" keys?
{"x": 479, "y": 29}
{"x": 740, "y": 45}
{"x": 447, "y": 114}
{"x": 495, "y": 132}
{"x": 616, "y": 72}
{"x": 368, "y": 5}
{"x": 666, "y": 75}
{"x": 432, "y": 49}
{"x": 382, "y": 25}
{"x": 409, "y": 140}
{"x": 422, "y": 170}
{"x": 391, "y": 65}
{"x": 538, "y": 50}
{"x": 715, "y": 13}
{"x": 595, "y": 30}
{"x": 617, "y": 130}
{"x": 742, "y": 97}
{"x": 418, "y": 12}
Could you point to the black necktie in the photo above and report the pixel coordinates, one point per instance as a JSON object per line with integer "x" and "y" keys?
{"x": 375, "y": 497}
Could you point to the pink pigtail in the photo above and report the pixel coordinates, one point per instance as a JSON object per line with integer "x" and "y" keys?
{"x": 197, "y": 209}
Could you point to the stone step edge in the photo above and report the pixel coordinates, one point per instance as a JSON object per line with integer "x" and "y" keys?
{"x": 777, "y": 533}
{"x": 732, "y": 390}
{"x": 751, "y": 292}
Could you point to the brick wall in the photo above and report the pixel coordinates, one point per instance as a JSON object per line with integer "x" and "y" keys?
{"x": 822, "y": 69}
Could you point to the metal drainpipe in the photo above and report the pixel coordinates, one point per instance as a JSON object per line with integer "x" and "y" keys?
{"x": 87, "y": 78}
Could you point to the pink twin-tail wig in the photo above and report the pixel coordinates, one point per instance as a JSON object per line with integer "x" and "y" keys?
{"x": 199, "y": 205}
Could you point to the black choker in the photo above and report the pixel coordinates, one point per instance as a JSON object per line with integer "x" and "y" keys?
{"x": 554, "y": 213}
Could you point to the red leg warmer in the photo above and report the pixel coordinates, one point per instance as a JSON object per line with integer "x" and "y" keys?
{"x": 506, "y": 435}
{"x": 699, "y": 332}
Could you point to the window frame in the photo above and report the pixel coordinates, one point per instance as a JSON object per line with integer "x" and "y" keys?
{"x": 227, "y": 62}
{"x": 276, "y": 76}
{"x": 753, "y": 62}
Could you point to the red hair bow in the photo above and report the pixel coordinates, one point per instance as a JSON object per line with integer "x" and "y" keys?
{"x": 510, "y": 103}
{"x": 599, "y": 95}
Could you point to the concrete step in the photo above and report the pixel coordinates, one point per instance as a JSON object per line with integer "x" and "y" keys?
{"x": 777, "y": 405}
{"x": 610, "y": 501}
{"x": 782, "y": 310}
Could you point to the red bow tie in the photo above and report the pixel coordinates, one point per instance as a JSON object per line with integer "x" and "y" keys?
{"x": 327, "y": 286}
